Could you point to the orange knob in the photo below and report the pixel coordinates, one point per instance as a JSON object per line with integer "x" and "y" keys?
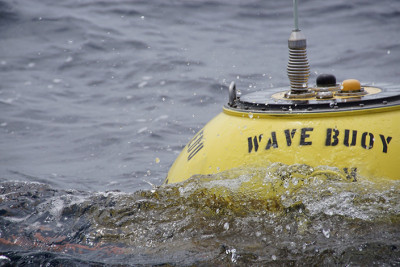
{"x": 351, "y": 85}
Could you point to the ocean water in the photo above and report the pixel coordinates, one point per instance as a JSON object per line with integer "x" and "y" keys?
{"x": 97, "y": 98}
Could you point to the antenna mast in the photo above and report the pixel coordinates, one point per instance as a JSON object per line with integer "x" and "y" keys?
{"x": 295, "y": 16}
{"x": 298, "y": 69}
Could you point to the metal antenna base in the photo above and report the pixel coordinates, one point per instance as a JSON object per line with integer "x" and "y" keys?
{"x": 298, "y": 69}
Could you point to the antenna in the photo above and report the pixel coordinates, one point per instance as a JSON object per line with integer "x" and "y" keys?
{"x": 295, "y": 16}
{"x": 298, "y": 69}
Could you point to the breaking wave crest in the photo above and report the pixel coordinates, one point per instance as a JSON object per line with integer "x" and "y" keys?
{"x": 276, "y": 215}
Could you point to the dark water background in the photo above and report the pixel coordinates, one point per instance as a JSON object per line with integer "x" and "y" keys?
{"x": 102, "y": 95}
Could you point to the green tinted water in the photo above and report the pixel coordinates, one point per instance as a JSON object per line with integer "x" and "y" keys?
{"x": 295, "y": 215}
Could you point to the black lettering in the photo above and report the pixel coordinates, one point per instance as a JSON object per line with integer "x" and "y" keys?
{"x": 250, "y": 142}
{"x": 352, "y": 175}
{"x": 385, "y": 142}
{"x": 305, "y": 135}
{"x": 272, "y": 142}
{"x": 289, "y": 136}
{"x": 329, "y": 137}
{"x": 364, "y": 140}
{"x": 194, "y": 152}
{"x": 195, "y": 141}
{"x": 347, "y": 137}
{"x": 195, "y": 145}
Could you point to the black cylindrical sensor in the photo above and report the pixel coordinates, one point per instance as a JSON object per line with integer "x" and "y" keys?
{"x": 326, "y": 80}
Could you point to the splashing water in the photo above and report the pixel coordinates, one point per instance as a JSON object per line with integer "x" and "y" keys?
{"x": 279, "y": 214}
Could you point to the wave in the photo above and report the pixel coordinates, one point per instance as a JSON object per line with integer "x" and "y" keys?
{"x": 280, "y": 214}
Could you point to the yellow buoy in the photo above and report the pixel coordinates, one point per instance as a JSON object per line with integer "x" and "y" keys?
{"x": 358, "y": 135}
{"x": 351, "y": 127}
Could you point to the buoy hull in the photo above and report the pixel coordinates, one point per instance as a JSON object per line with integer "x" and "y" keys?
{"x": 361, "y": 143}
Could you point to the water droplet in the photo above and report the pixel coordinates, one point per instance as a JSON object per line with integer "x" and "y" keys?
{"x": 181, "y": 190}
{"x": 141, "y": 130}
{"x": 142, "y": 84}
{"x": 250, "y": 115}
{"x": 273, "y": 257}
{"x": 286, "y": 184}
{"x": 326, "y": 233}
{"x": 278, "y": 228}
{"x": 4, "y": 258}
{"x": 388, "y": 52}
{"x": 157, "y": 160}
{"x": 226, "y": 226}
{"x": 233, "y": 252}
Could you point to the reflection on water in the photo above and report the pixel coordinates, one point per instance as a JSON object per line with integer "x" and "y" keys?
{"x": 275, "y": 215}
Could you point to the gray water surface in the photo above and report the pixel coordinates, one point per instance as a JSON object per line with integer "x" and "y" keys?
{"x": 102, "y": 95}
{"x": 93, "y": 92}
